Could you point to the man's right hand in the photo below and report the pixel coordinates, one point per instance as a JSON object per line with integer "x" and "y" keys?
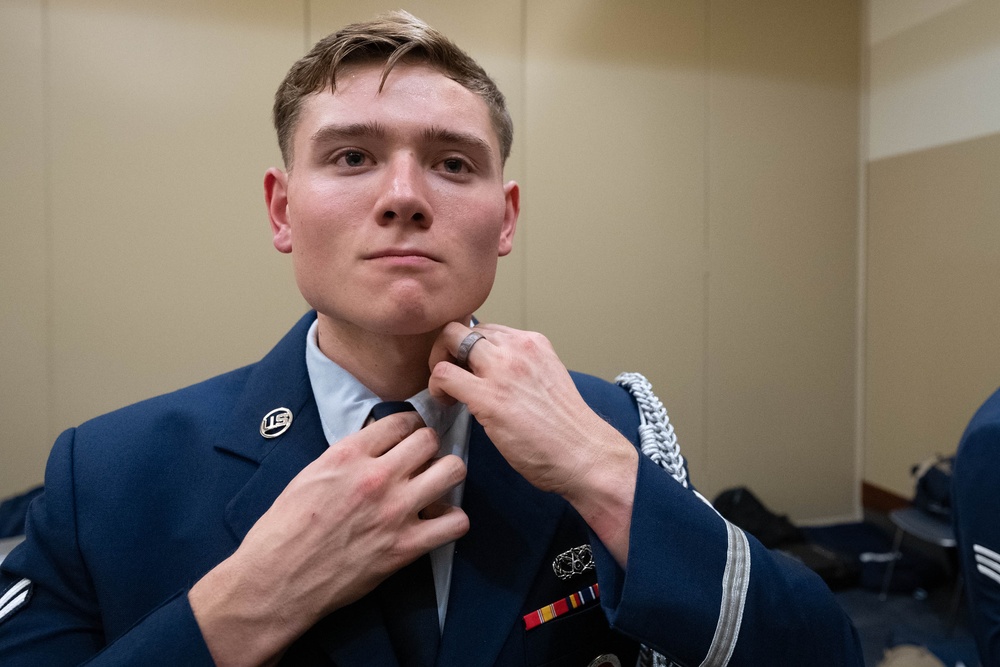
{"x": 342, "y": 525}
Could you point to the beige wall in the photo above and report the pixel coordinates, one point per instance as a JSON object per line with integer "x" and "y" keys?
{"x": 25, "y": 367}
{"x": 933, "y": 314}
{"x": 689, "y": 171}
{"x": 782, "y": 197}
{"x": 933, "y": 267}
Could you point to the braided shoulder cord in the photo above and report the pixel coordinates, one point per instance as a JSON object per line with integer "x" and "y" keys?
{"x": 658, "y": 441}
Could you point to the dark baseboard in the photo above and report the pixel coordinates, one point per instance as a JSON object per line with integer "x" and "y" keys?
{"x": 881, "y": 500}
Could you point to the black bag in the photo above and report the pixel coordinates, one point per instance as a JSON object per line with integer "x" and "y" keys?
{"x": 742, "y": 508}
{"x": 932, "y": 493}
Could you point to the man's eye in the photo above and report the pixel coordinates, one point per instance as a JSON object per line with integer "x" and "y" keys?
{"x": 454, "y": 165}
{"x": 352, "y": 159}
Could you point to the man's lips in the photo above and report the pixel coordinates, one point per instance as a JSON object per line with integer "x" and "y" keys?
{"x": 401, "y": 254}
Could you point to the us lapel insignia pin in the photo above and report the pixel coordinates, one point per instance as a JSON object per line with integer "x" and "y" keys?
{"x": 275, "y": 422}
{"x": 606, "y": 660}
{"x": 573, "y": 562}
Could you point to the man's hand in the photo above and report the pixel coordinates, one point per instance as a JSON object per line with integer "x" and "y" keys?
{"x": 343, "y": 524}
{"x": 524, "y": 397}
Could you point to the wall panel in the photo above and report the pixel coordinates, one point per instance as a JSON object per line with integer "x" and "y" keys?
{"x": 615, "y": 197}
{"x": 782, "y": 199}
{"x": 163, "y": 271}
{"x": 933, "y": 313}
{"x": 24, "y": 255}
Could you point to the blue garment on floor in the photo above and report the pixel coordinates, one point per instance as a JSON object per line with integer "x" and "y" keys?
{"x": 912, "y": 571}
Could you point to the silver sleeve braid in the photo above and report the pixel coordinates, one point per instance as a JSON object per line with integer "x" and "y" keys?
{"x": 658, "y": 441}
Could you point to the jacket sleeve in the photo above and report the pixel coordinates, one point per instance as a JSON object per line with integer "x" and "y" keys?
{"x": 976, "y": 506}
{"x": 702, "y": 592}
{"x": 52, "y": 615}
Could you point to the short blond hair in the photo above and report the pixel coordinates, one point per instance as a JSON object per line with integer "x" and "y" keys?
{"x": 388, "y": 38}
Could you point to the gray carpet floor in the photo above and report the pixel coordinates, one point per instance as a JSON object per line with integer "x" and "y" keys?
{"x": 924, "y": 618}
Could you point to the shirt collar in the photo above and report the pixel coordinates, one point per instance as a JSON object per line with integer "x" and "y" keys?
{"x": 344, "y": 403}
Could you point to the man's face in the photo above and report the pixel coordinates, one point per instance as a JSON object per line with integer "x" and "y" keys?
{"x": 394, "y": 207}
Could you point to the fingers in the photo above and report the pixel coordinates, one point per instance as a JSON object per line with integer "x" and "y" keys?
{"x": 413, "y": 454}
{"x": 484, "y": 351}
{"x": 405, "y": 452}
{"x": 427, "y": 488}
{"x": 433, "y": 521}
{"x": 435, "y": 509}
{"x": 413, "y": 461}
{"x": 450, "y": 381}
{"x": 446, "y": 382}
{"x": 446, "y": 347}
{"x": 449, "y": 524}
{"x": 383, "y": 435}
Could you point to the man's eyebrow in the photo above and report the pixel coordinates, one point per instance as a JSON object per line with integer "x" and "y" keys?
{"x": 373, "y": 130}
{"x": 466, "y": 140}
{"x": 350, "y": 131}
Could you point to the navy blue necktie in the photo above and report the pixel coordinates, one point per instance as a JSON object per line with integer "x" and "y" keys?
{"x": 386, "y": 408}
{"x": 408, "y": 597}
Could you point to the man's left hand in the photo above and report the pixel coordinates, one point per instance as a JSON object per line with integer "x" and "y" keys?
{"x": 518, "y": 389}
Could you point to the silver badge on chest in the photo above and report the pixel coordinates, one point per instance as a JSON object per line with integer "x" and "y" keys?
{"x": 573, "y": 562}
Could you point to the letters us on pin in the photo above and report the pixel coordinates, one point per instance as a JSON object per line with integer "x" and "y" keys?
{"x": 275, "y": 422}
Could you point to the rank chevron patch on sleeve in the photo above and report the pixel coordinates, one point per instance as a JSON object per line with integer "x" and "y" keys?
{"x": 15, "y": 597}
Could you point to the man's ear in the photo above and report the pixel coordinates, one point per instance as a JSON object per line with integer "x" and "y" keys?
{"x": 276, "y": 198}
{"x": 512, "y": 195}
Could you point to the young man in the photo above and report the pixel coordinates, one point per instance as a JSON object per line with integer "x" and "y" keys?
{"x": 263, "y": 516}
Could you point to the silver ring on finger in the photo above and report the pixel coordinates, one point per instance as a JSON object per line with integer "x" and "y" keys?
{"x": 465, "y": 347}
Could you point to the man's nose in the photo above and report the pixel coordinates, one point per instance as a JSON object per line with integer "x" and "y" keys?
{"x": 404, "y": 197}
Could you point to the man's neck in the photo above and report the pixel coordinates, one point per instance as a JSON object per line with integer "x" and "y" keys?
{"x": 393, "y": 367}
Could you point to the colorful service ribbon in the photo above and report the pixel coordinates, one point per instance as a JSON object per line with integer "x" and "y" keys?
{"x": 560, "y": 607}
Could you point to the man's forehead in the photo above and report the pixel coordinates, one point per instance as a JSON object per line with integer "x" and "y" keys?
{"x": 414, "y": 95}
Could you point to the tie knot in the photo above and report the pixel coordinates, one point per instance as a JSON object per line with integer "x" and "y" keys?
{"x": 386, "y": 408}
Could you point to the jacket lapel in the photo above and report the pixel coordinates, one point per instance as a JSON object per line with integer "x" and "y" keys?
{"x": 354, "y": 635}
{"x": 279, "y": 380}
{"x": 512, "y": 524}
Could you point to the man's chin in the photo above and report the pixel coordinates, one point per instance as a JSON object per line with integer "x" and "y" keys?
{"x": 397, "y": 318}
{"x": 416, "y": 317}
{"x": 410, "y": 326}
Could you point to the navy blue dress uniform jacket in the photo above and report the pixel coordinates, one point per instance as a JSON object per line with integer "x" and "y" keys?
{"x": 140, "y": 503}
{"x": 976, "y": 516}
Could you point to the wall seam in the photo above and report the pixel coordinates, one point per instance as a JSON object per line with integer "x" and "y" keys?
{"x": 861, "y": 313}
{"x": 706, "y": 244}
{"x": 49, "y": 231}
